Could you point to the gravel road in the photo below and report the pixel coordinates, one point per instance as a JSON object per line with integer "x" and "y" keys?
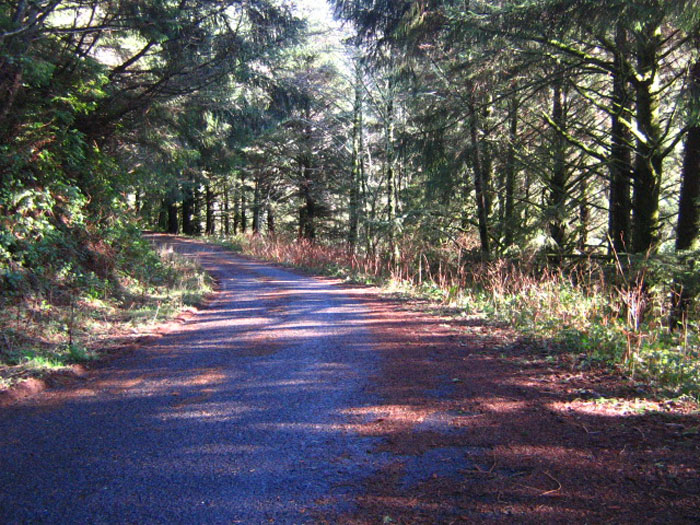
{"x": 240, "y": 415}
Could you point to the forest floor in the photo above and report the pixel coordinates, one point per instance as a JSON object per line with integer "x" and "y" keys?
{"x": 393, "y": 416}
{"x": 484, "y": 427}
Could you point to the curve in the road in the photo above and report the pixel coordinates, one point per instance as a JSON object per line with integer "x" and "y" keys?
{"x": 239, "y": 416}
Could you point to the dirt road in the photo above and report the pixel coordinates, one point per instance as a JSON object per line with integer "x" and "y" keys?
{"x": 291, "y": 400}
{"x": 240, "y": 416}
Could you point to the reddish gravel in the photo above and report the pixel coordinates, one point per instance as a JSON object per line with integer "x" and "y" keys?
{"x": 507, "y": 437}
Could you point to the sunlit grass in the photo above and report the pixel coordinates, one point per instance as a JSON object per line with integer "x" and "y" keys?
{"x": 40, "y": 336}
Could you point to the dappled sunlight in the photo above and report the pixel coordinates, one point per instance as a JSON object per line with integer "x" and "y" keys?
{"x": 394, "y": 418}
{"x": 208, "y": 377}
{"x": 221, "y": 449}
{"x": 402, "y": 503}
{"x": 242, "y": 403}
{"x": 511, "y": 453}
{"x": 296, "y": 383}
{"x": 262, "y": 403}
{"x": 304, "y": 428}
{"x": 201, "y": 407}
{"x": 501, "y": 406}
{"x": 611, "y": 406}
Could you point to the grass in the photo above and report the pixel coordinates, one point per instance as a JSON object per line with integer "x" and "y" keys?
{"x": 43, "y": 334}
{"x": 588, "y": 314}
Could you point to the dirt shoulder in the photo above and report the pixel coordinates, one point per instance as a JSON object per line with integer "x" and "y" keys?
{"x": 481, "y": 428}
{"x": 120, "y": 342}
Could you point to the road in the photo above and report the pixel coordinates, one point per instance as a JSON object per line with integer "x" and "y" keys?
{"x": 241, "y": 415}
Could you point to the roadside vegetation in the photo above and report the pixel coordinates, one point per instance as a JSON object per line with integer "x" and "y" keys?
{"x": 585, "y": 315}
{"x": 95, "y": 100}
{"x": 71, "y": 310}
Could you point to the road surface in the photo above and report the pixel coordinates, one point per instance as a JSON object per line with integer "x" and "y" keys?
{"x": 241, "y": 415}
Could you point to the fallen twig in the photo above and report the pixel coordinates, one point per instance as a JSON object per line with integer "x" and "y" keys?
{"x": 555, "y": 481}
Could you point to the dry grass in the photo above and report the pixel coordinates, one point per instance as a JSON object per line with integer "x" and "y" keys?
{"x": 43, "y": 334}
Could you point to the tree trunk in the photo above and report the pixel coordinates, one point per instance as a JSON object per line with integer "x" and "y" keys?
{"x": 270, "y": 220}
{"x": 583, "y": 215}
{"x": 236, "y": 207}
{"x": 355, "y": 174}
{"x": 226, "y": 218}
{"x": 619, "y": 204}
{"x": 486, "y": 154}
{"x": 307, "y": 212}
{"x": 479, "y": 179}
{"x": 197, "y": 219}
{"x": 499, "y": 196}
{"x": 389, "y": 168}
{"x": 187, "y": 209}
{"x": 173, "y": 226}
{"x": 209, "y": 199}
{"x": 509, "y": 212}
{"x": 242, "y": 210}
{"x": 648, "y": 162}
{"x": 688, "y": 228}
{"x": 163, "y": 216}
{"x": 556, "y": 202}
{"x": 309, "y": 208}
{"x": 256, "y": 206}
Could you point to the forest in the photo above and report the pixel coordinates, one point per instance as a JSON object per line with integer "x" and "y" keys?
{"x": 533, "y": 162}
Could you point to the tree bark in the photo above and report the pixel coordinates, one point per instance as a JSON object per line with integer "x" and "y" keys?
{"x": 226, "y": 218}
{"x": 242, "y": 210}
{"x": 307, "y": 212}
{"x": 236, "y": 207}
{"x": 509, "y": 212}
{"x": 620, "y": 166}
{"x": 688, "y": 228}
{"x": 389, "y": 168}
{"x": 356, "y": 161}
{"x": 648, "y": 161}
{"x": 479, "y": 179}
{"x": 197, "y": 216}
{"x": 309, "y": 208}
{"x": 162, "y": 221}
{"x": 187, "y": 209}
{"x": 209, "y": 201}
{"x": 556, "y": 202}
{"x": 256, "y": 206}
{"x": 173, "y": 225}
{"x": 270, "y": 220}
{"x": 583, "y": 215}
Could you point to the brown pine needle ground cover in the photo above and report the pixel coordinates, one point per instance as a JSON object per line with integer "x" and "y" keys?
{"x": 510, "y": 437}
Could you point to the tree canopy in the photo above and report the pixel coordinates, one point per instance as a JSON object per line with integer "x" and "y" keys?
{"x": 559, "y": 127}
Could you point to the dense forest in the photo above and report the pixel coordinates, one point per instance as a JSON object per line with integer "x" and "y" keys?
{"x": 536, "y": 160}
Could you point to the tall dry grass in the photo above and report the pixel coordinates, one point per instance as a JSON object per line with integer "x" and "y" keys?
{"x": 602, "y": 311}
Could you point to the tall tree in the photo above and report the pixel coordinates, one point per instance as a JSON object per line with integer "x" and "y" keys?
{"x": 357, "y": 164}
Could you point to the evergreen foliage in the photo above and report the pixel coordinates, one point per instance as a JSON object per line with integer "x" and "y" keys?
{"x": 561, "y": 130}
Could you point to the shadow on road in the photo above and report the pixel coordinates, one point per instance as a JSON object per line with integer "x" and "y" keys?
{"x": 288, "y": 400}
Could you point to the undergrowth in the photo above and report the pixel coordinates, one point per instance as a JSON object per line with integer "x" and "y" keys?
{"x": 613, "y": 315}
{"x": 66, "y": 311}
